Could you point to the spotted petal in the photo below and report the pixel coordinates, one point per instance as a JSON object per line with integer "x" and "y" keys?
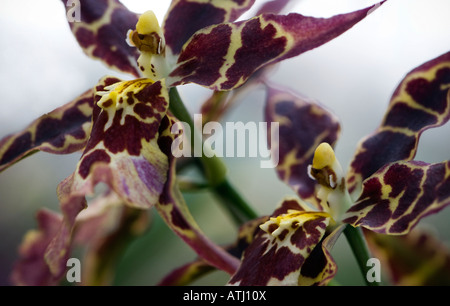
{"x": 303, "y": 125}
{"x": 122, "y": 152}
{"x": 224, "y": 56}
{"x": 185, "y": 17}
{"x": 281, "y": 247}
{"x": 64, "y": 130}
{"x": 397, "y": 196}
{"x": 100, "y": 27}
{"x": 420, "y": 102}
{"x": 174, "y": 211}
{"x": 320, "y": 268}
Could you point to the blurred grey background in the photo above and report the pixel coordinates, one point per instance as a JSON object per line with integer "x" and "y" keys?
{"x": 42, "y": 67}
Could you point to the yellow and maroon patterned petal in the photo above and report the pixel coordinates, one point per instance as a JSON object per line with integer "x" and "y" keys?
{"x": 281, "y": 246}
{"x": 185, "y": 17}
{"x": 416, "y": 259}
{"x": 420, "y": 102}
{"x": 397, "y": 196}
{"x": 303, "y": 125}
{"x": 320, "y": 268}
{"x": 224, "y": 56}
{"x": 62, "y": 131}
{"x": 102, "y": 31}
{"x": 174, "y": 211}
{"x": 122, "y": 152}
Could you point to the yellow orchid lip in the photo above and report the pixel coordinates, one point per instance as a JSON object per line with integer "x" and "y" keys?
{"x": 292, "y": 220}
{"x": 118, "y": 93}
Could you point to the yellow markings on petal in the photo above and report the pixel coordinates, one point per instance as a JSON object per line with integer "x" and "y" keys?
{"x": 290, "y": 221}
{"x": 280, "y": 229}
{"x": 428, "y": 75}
{"x": 30, "y": 237}
{"x": 227, "y": 6}
{"x": 122, "y": 96}
{"x": 94, "y": 26}
{"x": 236, "y": 44}
{"x": 116, "y": 94}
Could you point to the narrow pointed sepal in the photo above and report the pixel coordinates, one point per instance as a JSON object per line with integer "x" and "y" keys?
{"x": 224, "y": 56}
{"x": 173, "y": 209}
{"x": 303, "y": 125}
{"x": 64, "y": 130}
{"x": 396, "y": 197}
{"x": 421, "y": 101}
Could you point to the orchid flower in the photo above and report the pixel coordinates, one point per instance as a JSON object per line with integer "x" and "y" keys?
{"x": 123, "y": 126}
{"x": 385, "y": 191}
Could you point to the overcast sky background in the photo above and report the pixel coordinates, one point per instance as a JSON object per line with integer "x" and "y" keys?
{"x": 42, "y": 67}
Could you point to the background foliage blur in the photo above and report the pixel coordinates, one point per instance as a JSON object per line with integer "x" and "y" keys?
{"x": 42, "y": 67}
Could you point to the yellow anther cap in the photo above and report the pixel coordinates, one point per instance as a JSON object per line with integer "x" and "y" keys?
{"x": 323, "y": 156}
{"x": 148, "y": 24}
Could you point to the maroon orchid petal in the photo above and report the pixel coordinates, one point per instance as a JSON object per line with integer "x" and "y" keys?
{"x": 397, "y": 196}
{"x": 273, "y": 6}
{"x": 420, "y": 102}
{"x": 303, "y": 125}
{"x": 224, "y": 56}
{"x": 320, "y": 268}
{"x": 31, "y": 269}
{"x": 416, "y": 259}
{"x": 62, "y": 131}
{"x": 122, "y": 150}
{"x": 185, "y": 17}
{"x": 175, "y": 212}
{"x": 279, "y": 250}
{"x": 102, "y": 30}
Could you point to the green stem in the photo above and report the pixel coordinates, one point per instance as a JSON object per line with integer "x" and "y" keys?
{"x": 213, "y": 167}
{"x": 233, "y": 201}
{"x": 355, "y": 238}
